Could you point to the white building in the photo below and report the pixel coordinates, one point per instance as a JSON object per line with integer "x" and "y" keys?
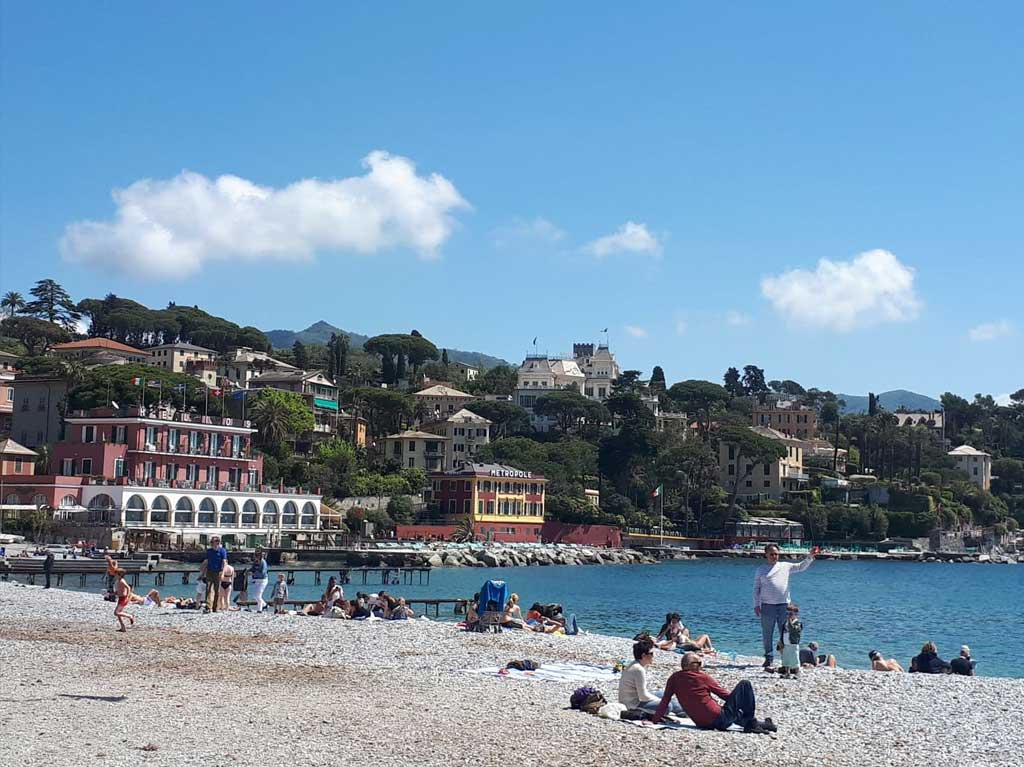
{"x": 975, "y": 464}
{"x": 181, "y": 357}
{"x": 241, "y": 365}
{"x": 539, "y": 375}
{"x": 599, "y": 368}
{"x": 441, "y": 401}
{"x": 468, "y": 431}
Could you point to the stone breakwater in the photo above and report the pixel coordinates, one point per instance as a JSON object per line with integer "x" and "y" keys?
{"x": 509, "y": 557}
{"x": 244, "y": 689}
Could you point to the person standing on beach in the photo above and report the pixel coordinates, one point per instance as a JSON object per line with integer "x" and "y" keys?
{"x": 123, "y": 593}
{"x": 771, "y": 595}
{"x": 216, "y": 558}
{"x": 48, "y": 568}
{"x": 258, "y": 575}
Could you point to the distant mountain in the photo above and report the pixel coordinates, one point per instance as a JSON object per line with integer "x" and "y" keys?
{"x": 891, "y": 401}
{"x": 320, "y": 333}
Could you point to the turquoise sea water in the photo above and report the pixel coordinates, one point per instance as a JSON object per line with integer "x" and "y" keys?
{"x": 847, "y": 607}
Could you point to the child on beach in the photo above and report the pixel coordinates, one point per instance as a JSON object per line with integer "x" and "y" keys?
{"x": 791, "y": 632}
{"x": 124, "y": 593}
{"x": 280, "y": 594}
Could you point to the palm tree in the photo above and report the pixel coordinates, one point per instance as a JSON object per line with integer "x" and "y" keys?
{"x": 273, "y": 419}
{"x": 13, "y": 302}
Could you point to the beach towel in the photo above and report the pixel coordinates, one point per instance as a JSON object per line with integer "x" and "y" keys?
{"x": 553, "y": 672}
{"x": 672, "y": 722}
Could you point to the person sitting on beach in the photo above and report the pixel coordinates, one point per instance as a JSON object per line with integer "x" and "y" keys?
{"x": 333, "y": 594}
{"x": 401, "y": 612}
{"x": 358, "y": 607}
{"x": 693, "y": 688}
{"x": 513, "y": 615}
{"x": 809, "y": 657}
{"x": 929, "y": 662}
{"x": 963, "y": 664}
{"x": 633, "y": 692}
{"x": 674, "y": 633}
{"x": 537, "y": 621}
{"x": 879, "y": 662}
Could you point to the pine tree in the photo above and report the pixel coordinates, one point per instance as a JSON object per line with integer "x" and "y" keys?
{"x": 444, "y": 357}
{"x": 53, "y": 304}
{"x": 301, "y": 355}
{"x": 657, "y": 382}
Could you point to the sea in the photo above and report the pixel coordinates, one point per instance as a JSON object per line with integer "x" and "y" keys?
{"x": 847, "y": 607}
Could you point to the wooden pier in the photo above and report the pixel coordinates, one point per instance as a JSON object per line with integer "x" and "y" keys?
{"x": 135, "y": 569}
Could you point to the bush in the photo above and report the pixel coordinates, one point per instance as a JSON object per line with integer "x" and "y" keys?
{"x": 400, "y": 508}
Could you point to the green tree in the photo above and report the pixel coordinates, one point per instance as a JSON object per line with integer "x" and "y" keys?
{"x": 753, "y": 382}
{"x": 400, "y": 509}
{"x": 53, "y": 304}
{"x": 384, "y": 409}
{"x": 444, "y": 357}
{"x": 750, "y": 450}
{"x": 657, "y": 382}
{"x": 301, "y": 355}
{"x": 37, "y": 335}
{"x": 506, "y": 418}
{"x": 12, "y": 302}
{"x": 501, "y": 379}
{"x": 280, "y": 416}
{"x": 568, "y": 407}
{"x": 701, "y": 400}
{"x": 733, "y": 384}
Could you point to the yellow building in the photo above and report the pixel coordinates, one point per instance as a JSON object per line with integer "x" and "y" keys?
{"x": 504, "y": 503}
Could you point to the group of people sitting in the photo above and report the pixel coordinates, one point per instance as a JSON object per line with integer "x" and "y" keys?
{"x": 694, "y": 692}
{"x": 541, "y": 619}
{"x": 333, "y": 604}
{"x": 929, "y": 662}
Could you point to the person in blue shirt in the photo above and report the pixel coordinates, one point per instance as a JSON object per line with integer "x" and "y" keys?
{"x": 216, "y": 558}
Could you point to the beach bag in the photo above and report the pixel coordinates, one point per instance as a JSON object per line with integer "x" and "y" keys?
{"x": 584, "y": 696}
{"x": 523, "y": 665}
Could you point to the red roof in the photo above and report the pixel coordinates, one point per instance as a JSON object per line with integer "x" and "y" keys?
{"x": 101, "y": 343}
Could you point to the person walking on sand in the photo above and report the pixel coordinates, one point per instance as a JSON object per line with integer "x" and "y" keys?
{"x": 216, "y": 558}
{"x": 48, "y": 568}
{"x": 258, "y": 575}
{"x": 123, "y": 592}
{"x": 771, "y": 595}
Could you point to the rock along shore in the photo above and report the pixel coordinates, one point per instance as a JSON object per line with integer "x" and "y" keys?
{"x": 246, "y": 689}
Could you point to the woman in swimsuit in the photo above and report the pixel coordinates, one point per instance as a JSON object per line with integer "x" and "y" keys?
{"x": 123, "y": 592}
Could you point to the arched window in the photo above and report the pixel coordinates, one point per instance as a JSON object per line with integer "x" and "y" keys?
{"x": 135, "y": 502}
{"x": 250, "y": 513}
{"x": 183, "y": 514}
{"x": 228, "y": 513}
{"x": 101, "y": 501}
{"x": 68, "y": 501}
{"x": 39, "y": 500}
{"x": 160, "y": 515}
{"x": 12, "y": 500}
{"x": 308, "y": 515}
{"x": 207, "y": 512}
{"x": 269, "y": 518}
{"x": 290, "y": 517}
{"x": 135, "y": 511}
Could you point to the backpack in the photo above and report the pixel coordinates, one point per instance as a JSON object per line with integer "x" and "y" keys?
{"x": 523, "y": 665}
{"x": 794, "y": 630}
{"x": 586, "y": 696}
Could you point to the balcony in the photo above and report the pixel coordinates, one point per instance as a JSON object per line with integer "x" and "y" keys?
{"x": 791, "y": 472}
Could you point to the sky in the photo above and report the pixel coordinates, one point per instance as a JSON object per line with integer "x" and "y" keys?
{"x": 835, "y": 194}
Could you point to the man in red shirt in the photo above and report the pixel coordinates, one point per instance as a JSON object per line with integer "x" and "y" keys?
{"x": 693, "y": 689}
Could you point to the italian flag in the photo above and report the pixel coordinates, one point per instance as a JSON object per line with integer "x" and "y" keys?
{"x": 136, "y": 382}
{"x": 656, "y": 492}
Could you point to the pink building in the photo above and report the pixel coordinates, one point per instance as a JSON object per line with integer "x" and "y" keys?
{"x": 189, "y": 451}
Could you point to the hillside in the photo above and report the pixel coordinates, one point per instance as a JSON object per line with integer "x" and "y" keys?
{"x": 891, "y": 401}
{"x": 320, "y": 333}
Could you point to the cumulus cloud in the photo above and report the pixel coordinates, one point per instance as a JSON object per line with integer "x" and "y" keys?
{"x": 636, "y": 331}
{"x": 736, "y": 319}
{"x": 628, "y": 238}
{"x": 535, "y": 230}
{"x": 990, "y": 331}
{"x": 874, "y": 287}
{"x": 171, "y": 228}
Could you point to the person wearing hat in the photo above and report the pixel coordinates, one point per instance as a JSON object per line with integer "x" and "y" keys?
{"x": 963, "y": 665}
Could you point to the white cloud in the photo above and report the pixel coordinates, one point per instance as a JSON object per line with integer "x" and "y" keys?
{"x": 736, "y": 319}
{"x": 874, "y": 287}
{"x": 636, "y": 331}
{"x": 538, "y": 229}
{"x": 1004, "y": 400}
{"x": 629, "y": 238}
{"x": 171, "y": 228}
{"x": 990, "y": 331}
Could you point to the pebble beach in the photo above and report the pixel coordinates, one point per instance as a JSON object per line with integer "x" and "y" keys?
{"x": 245, "y": 689}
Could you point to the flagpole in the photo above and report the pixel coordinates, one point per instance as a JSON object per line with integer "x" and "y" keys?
{"x": 206, "y": 400}
{"x": 142, "y": 383}
{"x": 661, "y": 495}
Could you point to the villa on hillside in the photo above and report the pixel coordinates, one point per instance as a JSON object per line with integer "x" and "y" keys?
{"x": 977, "y": 465}
{"x": 773, "y": 481}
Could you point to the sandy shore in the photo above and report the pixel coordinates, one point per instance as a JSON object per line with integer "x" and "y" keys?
{"x": 244, "y": 689}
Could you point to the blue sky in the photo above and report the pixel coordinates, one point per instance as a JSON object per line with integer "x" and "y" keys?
{"x": 674, "y": 174}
